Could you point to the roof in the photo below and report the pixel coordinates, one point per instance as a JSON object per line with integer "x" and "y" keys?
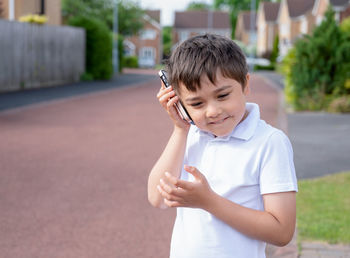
{"x": 154, "y": 14}
{"x": 297, "y": 8}
{"x": 339, "y": 3}
{"x": 202, "y": 19}
{"x": 271, "y": 11}
{"x": 247, "y": 19}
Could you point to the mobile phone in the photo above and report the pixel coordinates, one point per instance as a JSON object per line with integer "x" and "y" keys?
{"x": 179, "y": 107}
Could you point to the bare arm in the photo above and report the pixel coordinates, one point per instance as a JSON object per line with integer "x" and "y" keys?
{"x": 172, "y": 157}
{"x": 274, "y": 225}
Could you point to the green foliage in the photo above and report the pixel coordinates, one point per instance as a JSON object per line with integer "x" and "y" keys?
{"x": 340, "y": 105}
{"x": 286, "y": 68}
{"x": 167, "y": 40}
{"x": 194, "y": 6}
{"x": 319, "y": 69}
{"x": 86, "y": 77}
{"x": 129, "y": 13}
{"x": 235, "y": 7}
{"x": 275, "y": 51}
{"x": 130, "y": 61}
{"x": 264, "y": 67}
{"x": 345, "y": 26}
{"x": 98, "y": 47}
{"x": 120, "y": 51}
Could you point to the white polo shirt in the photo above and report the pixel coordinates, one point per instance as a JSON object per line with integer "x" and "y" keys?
{"x": 255, "y": 159}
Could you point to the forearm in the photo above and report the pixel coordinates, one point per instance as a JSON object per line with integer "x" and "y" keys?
{"x": 262, "y": 225}
{"x": 170, "y": 161}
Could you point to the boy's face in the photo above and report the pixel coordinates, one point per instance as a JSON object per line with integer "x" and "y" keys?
{"x": 216, "y": 108}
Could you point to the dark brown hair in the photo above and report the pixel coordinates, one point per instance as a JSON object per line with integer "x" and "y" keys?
{"x": 204, "y": 55}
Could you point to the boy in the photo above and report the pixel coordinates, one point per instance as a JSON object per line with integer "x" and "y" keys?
{"x": 231, "y": 175}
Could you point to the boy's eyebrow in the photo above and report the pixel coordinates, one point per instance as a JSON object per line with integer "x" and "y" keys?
{"x": 215, "y": 91}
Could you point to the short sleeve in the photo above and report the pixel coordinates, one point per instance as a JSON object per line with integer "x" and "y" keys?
{"x": 277, "y": 172}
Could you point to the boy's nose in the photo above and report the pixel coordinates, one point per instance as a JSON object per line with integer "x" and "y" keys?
{"x": 213, "y": 110}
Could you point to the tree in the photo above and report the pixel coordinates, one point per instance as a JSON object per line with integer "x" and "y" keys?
{"x": 167, "y": 40}
{"x": 235, "y": 7}
{"x": 321, "y": 66}
{"x": 98, "y": 46}
{"x": 129, "y": 13}
{"x": 194, "y": 6}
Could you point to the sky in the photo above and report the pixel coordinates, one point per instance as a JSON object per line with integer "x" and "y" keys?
{"x": 168, "y": 8}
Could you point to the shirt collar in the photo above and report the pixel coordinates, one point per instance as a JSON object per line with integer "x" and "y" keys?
{"x": 244, "y": 130}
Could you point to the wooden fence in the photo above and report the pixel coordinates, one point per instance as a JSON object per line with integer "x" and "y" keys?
{"x": 34, "y": 56}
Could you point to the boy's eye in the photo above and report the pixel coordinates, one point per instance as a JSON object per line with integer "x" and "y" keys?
{"x": 223, "y": 95}
{"x": 196, "y": 104}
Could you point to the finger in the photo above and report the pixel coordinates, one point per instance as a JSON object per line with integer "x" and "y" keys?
{"x": 171, "y": 178}
{"x": 173, "y": 100}
{"x": 167, "y": 96}
{"x": 166, "y": 195}
{"x": 193, "y": 171}
{"x": 171, "y": 190}
{"x": 186, "y": 185}
{"x": 172, "y": 204}
{"x": 163, "y": 91}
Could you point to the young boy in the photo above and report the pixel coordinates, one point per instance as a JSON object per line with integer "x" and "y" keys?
{"x": 231, "y": 175}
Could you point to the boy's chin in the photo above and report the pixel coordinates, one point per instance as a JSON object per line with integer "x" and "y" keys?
{"x": 220, "y": 133}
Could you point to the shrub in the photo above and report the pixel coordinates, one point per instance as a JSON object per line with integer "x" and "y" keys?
{"x": 275, "y": 51}
{"x": 340, "y": 105}
{"x": 270, "y": 67}
{"x": 320, "y": 67}
{"x": 286, "y": 68}
{"x": 130, "y": 61}
{"x": 34, "y": 18}
{"x": 98, "y": 47}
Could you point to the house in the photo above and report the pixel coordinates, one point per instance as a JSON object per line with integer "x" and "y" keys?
{"x": 299, "y": 17}
{"x": 191, "y": 23}
{"x": 147, "y": 45}
{"x": 341, "y": 8}
{"x": 294, "y": 18}
{"x": 268, "y": 27}
{"x": 14, "y": 9}
{"x": 320, "y": 7}
{"x": 244, "y": 31}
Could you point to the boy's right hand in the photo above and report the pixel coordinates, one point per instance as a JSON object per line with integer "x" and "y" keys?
{"x": 167, "y": 98}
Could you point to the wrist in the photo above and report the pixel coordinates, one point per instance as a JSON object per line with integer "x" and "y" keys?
{"x": 211, "y": 202}
{"x": 183, "y": 131}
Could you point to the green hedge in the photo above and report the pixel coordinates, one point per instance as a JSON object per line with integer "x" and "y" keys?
{"x": 317, "y": 69}
{"x": 130, "y": 61}
{"x": 98, "y": 47}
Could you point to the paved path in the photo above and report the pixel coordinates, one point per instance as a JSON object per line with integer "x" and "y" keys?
{"x": 73, "y": 174}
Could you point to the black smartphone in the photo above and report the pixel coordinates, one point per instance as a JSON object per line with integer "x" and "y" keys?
{"x": 179, "y": 107}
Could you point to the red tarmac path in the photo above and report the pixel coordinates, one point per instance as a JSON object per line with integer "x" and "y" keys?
{"x": 73, "y": 174}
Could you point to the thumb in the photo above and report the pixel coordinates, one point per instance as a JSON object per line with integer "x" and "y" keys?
{"x": 193, "y": 171}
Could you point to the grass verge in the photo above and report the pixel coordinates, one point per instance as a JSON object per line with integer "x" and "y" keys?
{"x": 323, "y": 209}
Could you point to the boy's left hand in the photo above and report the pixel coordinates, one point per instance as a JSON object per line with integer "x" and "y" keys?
{"x": 180, "y": 193}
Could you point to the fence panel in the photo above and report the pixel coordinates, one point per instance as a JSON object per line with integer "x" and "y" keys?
{"x": 33, "y": 56}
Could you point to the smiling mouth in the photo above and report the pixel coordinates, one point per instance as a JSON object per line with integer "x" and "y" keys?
{"x": 217, "y": 122}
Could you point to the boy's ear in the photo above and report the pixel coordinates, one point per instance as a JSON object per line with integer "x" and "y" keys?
{"x": 246, "y": 90}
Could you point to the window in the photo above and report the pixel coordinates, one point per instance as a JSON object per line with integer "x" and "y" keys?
{"x": 147, "y": 56}
{"x": 183, "y": 35}
{"x": 319, "y": 20}
{"x": 148, "y": 34}
{"x": 285, "y": 29}
{"x": 147, "y": 52}
{"x": 303, "y": 27}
